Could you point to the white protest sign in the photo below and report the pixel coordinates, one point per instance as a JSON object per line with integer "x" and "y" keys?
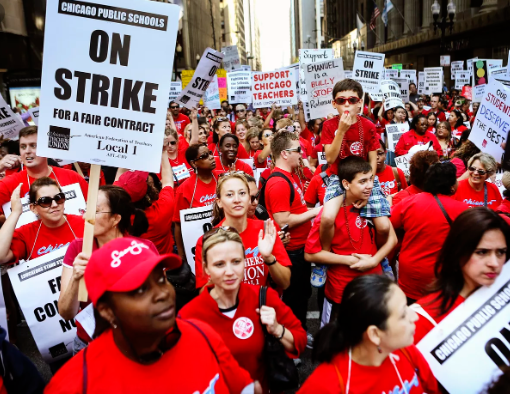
{"x": 248, "y": 161}
{"x": 497, "y": 179}
{"x": 212, "y": 95}
{"x": 245, "y": 67}
{"x": 492, "y": 121}
{"x": 278, "y": 87}
{"x": 36, "y": 284}
{"x": 86, "y": 319}
{"x": 421, "y": 83}
{"x": 390, "y": 73}
{"x": 105, "y": 81}
{"x": 403, "y": 83}
{"x": 10, "y": 124}
{"x": 175, "y": 91}
{"x": 231, "y": 59}
{"x": 257, "y": 172}
{"x": 75, "y": 205}
{"x": 367, "y": 70}
{"x": 466, "y": 350}
{"x": 434, "y": 79}
{"x": 402, "y": 162}
{"x": 34, "y": 114}
{"x": 469, "y": 65}
{"x": 409, "y": 74}
{"x": 394, "y": 132}
{"x": 456, "y": 66}
{"x": 195, "y": 222}
{"x": 239, "y": 86}
{"x": 462, "y": 78}
{"x": 308, "y": 56}
{"x": 444, "y": 60}
{"x": 391, "y": 94}
{"x": 348, "y": 74}
{"x": 320, "y": 79}
{"x": 206, "y": 70}
{"x": 497, "y": 71}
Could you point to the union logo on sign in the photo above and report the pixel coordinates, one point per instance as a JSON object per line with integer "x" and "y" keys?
{"x": 243, "y": 328}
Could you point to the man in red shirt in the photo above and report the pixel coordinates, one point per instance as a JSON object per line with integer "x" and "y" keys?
{"x": 35, "y": 167}
{"x": 434, "y": 108}
{"x": 284, "y": 210}
{"x": 180, "y": 120}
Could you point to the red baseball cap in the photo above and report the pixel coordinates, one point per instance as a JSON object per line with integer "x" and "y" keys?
{"x": 122, "y": 265}
{"x": 135, "y": 183}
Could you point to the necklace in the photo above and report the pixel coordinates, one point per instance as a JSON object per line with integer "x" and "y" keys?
{"x": 362, "y": 146}
{"x": 351, "y": 240}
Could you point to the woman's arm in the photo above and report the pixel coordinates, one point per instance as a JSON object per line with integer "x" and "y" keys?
{"x": 267, "y": 122}
{"x": 167, "y": 176}
{"x": 301, "y": 115}
{"x": 7, "y": 229}
{"x": 68, "y": 304}
{"x": 279, "y": 273}
{"x": 193, "y": 139}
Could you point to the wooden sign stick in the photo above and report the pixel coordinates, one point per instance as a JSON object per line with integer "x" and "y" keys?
{"x": 90, "y": 218}
{"x": 78, "y": 169}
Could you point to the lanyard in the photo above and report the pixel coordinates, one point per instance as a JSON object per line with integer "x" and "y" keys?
{"x": 195, "y": 189}
{"x": 485, "y": 195}
{"x": 55, "y": 175}
{"x": 37, "y": 236}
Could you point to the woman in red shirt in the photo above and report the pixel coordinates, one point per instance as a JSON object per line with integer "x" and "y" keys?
{"x": 137, "y": 333}
{"x": 431, "y": 122}
{"x": 231, "y": 209}
{"x": 52, "y": 231}
{"x": 231, "y": 306}
{"x": 177, "y": 156}
{"x": 241, "y": 133}
{"x": 221, "y": 126}
{"x": 504, "y": 208}
{"x": 253, "y": 141}
{"x": 262, "y": 158}
{"x": 369, "y": 349}
{"x": 445, "y": 139}
{"x": 476, "y": 191}
{"x": 425, "y": 219}
{"x": 227, "y": 160}
{"x": 392, "y": 179}
{"x": 469, "y": 259}
{"x": 456, "y": 123}
{"x": 418, "y": 135}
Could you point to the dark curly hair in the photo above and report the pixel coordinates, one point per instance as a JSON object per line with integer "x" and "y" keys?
{"x": 420, "y": 163}
{"x": 439, "y": 178}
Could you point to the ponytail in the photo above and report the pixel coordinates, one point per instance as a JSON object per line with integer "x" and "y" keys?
{"x": 139, "y": 223}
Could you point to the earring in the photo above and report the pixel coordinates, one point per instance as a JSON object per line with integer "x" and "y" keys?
{"x": 379, "y": 349}
{"x": 113, "y": 325}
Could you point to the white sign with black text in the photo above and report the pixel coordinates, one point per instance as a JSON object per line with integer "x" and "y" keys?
{"x": 239, "y": 87}
{"x": 462, "y": 78}
{"x": 175, "y": 91}
{"x": 403, "y": 83}
{"x": 394, "y": 132}
{"x": 231, "y": 59}
{"x": 391, "y": 94}
{"x": 456, "y": 66}
{"x": 434, "y": 79}
{"x": 367, "y": 70}
{"x": 320, "y": 81}
{"x": 421, "y": 83}
{"x": 409, "y": 74}
{"x": 212, "y": 94}
{"x": 10, "y": 124}
{"x": 34, "y": 114}
{"x": 308, "y": 56}
{"x": 195, "y": 222}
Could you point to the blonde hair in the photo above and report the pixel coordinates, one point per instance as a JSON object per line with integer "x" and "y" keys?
{"x": 218, "y": 214}
{"x": 487, "y": 161}
{"x": 256, "y": 121}
{"x": 219, "y": 237}
{"x": 169, "y": 131}
{"x": 285, "y": 122}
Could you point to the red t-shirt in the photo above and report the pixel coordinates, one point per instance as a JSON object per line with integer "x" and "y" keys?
{"x": 407, "y": 192}
{"x": 472, "y": 198}
{"x": 277, "y": 196}
{"x": 457, "y": 133}
{"x": 432, "y": 307}
{"x": 308, "y": 135}
{"x": 62, "y": 176}
{"x": 440, "y": 115}
{"x": 388, "y": 181}
{"x": 505, "y": 208}
{"x": 25, "y": 238}
{"x": 351, "y": 144}
{"x": 239, "y": 165}
{"x": 256, "y": 271}
{"x": 410, "y": 139}
{"x": 317, "y": 149}
{"x": 159, "y": 215}
{"x": 340, "y": 275}
{"x": 180, "y": 123}
{"x": 415, "y": 374}
{"x": 306, "y": 148}
{"x": 317, "y": 188}
{"x": 243, "y": 333}
{"x": 241, "y": 151}
{"x": 265, "y": 164}
{"x": 194, "y": 193}
{"x": 425, "y": 229}
{"x": 171, "y": 372}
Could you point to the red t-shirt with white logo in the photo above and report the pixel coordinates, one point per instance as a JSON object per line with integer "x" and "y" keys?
{"x": 472, "y": 198}
{"x": 25, "y": 238}
{"x": 415, "y": 374}
{"x": 110, "y": 371}
{"x": 243, "y": 333}
{"x": 351, "y": 144}
{"x": 194, "y": 193}
{"x": 388, "y": 182}
{"x": 277, "y": 196}
{"x": 256, "y": 271}
{"x": 361, "y": 241}
{"x": 239, "y": 165}
{"x": 180, "y": 123}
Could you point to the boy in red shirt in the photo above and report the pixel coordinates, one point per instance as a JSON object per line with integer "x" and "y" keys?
{"x": 392, "y": 179}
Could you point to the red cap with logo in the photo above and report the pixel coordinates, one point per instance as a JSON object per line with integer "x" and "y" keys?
{"x": 122, "y": 265}
{"x": 135, "y": 183}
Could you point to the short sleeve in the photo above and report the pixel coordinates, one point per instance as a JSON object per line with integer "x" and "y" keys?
{"x": 19, "y": 245}
{"x": 427, "y": 378}
{"x": 72, "y": 251}
{"x": 313, "y": 243}
{"x": 180, "y": 204}
{"x": 328, "y": 133}
{"x": 164, "y": 205}
{"x": 312, "y": 193}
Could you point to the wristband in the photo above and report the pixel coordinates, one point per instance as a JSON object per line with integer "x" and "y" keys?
{"x": 283, "y": 333}
{"x": 269, "y": 264}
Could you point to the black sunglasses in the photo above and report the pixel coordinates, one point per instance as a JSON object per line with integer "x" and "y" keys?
{"x": 204, "y": 156}
{"x": 240, "y": 110}
{"x": 172, "y": 142}
{"x": 298, "y": 149}
{"x": 255, "y": 197}
{"x": 174, "y": 107}
{"x": 46, "y": 201}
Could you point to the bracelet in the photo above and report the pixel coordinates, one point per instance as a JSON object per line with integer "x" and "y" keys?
{"x": 283, "y": 333}
{"x": 269, "y": 264}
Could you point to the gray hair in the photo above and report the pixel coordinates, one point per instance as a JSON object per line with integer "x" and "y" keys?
{"x": 487, "y": 161}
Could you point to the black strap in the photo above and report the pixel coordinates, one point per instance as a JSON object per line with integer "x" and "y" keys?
{"x": 276, "y": 174}
{"x": 448, "y": 218}
{"x": 325, "y": 178}
{"x": 262, "y": 296}
{"x": 85, "y": 372}
{"x": 206, "y": 339}
{"x": 485, "y": 195}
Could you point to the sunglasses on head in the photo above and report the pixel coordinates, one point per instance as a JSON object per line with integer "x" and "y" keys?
{"x": 174, "y": 107}
{"x": 222, "y": 119}
{"x": 351, "y": 100}
{"x": 216, "y": 230}
{"x": 298, "y": 149}
{"x": 473, "y": 169}
{"x": 204, "y": 156}
{"x": 46, "y": 201}
{"x": 229, "y": 173}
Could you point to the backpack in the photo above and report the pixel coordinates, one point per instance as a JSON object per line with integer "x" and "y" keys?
{"x": 324, "y": 175}
{"x": 262, "y": 200}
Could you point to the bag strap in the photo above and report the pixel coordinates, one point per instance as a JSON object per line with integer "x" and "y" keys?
{"x": 485, "y": 194}
{"x": 206, "y": 339}
{"x": 283, "y": 176}
{"x": 448, "y": 218}
{"x": 85, "y": 372}
{"x": 325, "y": 177}
{"x": 422, "y": 312}
{"x": 262, "y": 296}
{"x": 396, "y": 175}
{"x": 340, "y": 380}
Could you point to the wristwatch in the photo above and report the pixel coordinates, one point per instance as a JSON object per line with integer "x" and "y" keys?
{"x": 269, "y": 264}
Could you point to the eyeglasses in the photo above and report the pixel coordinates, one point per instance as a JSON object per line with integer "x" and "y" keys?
{"x": 473, "y": 169}
{"x": 204, "y": 156}
{"x": 343, "y": 100}
{"x": 174, "y": 107}
{"x": 46, "y": 201}
{"x": 255, "y": 197}
{"x": 298, "y": 149}
{"x": 240, "y": 110}
{"x": 216, "y": 230}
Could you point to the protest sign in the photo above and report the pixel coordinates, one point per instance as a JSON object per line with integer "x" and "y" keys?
{"x": 231, "y": 59}
{"x": 202, "y": 77}
{"x": 467, "y": 350}
{"x": 10, "y": 124}
{"x": 308, "y": 56}
{"x": 480, "y": 79}
{"x": 36, "y": 284}
{"x": 396, "y": 66}
{"x": 239, "y": 86}
{"x": 390, "y": 73}
{"x": 403, "y": 83}
{"x": 212, "y": 95}
{"x": 497, "y": 179}
{"x": 421, "y": 83}
{"x": 278, "y": 87}
{"x": 409, "y": 74}
{"x": 175, "y": 91}
{"x": 456, "y": 66}
{"x": 75, "y": 205}
{"x": 433, "y": 79}
{"x": 34, "y": 115}
{"x": 195, "y": 222}
{"x": 367, "y": 70}
{"x": 444, "y": 60}
{"x": 320, "y": 81}
{"x": 391, "y": 94}
{"x": 186, "y": 76}
{"x": 394, "y": 132}
{"x": 222, "y": 83}
{"x": 462, "y": 78}
{"x": 89, "y": 59}
{"x": 322, "y": 158}
{"x": 295, "y": 74}
{"x": 403, "y": 162}
{"x": 467, "y": 92}
{"x": 492, "y": 121}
